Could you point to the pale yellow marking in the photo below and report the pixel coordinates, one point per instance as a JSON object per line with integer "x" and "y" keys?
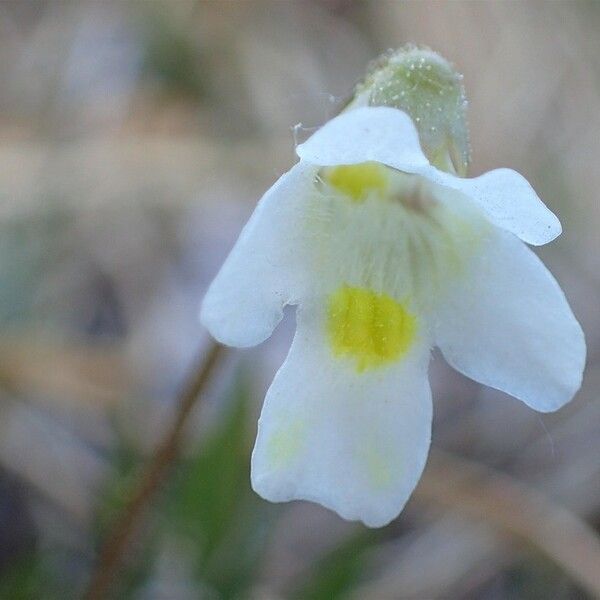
{"x": 378, "y": 468}
{"x": 285, "y": 443}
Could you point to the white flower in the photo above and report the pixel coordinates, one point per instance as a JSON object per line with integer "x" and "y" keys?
{"x": 386, "y": 256}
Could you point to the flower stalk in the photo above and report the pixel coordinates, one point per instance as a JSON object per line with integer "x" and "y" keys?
{"x": 153, "y": 475}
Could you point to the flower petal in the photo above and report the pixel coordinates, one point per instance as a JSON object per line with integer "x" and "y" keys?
{"x": 263, "y": 271}
{"x": 353, "y": 442}
{"x": 387, "y": 135}
{"x": 509, "y": 326}
{"x": 508, "y": 201}
{"x": 381, "y": 134}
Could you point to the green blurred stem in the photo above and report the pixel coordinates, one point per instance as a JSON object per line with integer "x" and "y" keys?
{"x": 117, "y": 541}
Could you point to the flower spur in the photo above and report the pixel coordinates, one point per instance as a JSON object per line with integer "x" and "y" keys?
{"x": 385, "y": 256}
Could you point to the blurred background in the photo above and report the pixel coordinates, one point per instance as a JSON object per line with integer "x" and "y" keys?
{"x": 135, "y": 140}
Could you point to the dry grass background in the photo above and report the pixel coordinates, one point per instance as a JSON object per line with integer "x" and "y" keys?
{"x": 135, "y": 140}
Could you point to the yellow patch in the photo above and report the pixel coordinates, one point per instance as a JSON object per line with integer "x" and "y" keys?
{"x": 358, "y": 182}
{"x": 372, "y": 329}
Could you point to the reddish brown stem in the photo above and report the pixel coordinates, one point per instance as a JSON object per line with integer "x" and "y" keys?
{"x": 118, "y": 538}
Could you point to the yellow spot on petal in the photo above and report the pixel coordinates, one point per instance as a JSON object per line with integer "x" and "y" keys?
{"x": 369, "y": 328}
{"x": 360, "y": 181}
{"x": 285, "y": 443}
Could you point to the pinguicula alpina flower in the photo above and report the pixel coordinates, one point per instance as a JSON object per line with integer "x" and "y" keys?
{"x": 387, "y": 251}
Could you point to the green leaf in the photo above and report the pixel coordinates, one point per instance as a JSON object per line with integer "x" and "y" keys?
{"x": 209, "y": 484}
{"x": 25, "y": 579}
{"x": 213, "y": 506}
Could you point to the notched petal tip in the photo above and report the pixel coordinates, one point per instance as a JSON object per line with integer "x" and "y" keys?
{"x": 270, "y": 488}
{"x": 355, "y": 443}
